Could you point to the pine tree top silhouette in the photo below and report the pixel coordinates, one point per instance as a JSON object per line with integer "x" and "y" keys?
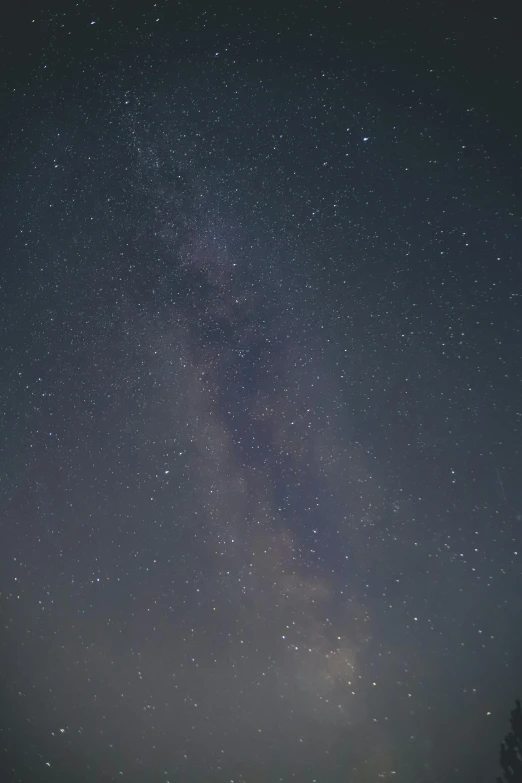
{"x": 511, "y": 749}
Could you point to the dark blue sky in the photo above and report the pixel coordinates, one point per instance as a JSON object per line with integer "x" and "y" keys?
{"x": 260, "y": 392}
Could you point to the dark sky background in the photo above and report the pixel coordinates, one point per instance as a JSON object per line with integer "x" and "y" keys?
{"x": 260, "y": 392}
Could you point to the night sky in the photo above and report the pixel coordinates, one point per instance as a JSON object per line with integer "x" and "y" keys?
{"x": 260, "y": 391}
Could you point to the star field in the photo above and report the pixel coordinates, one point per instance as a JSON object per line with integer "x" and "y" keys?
{"x": 260, "y": 394}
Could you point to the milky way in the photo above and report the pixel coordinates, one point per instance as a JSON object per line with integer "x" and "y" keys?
{"x": 260, "y": 368}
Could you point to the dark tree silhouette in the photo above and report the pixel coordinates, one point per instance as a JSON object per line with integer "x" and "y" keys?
{"x": 511, "y": 749}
